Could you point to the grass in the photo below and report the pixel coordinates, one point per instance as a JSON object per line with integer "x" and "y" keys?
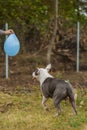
{"x": 26, "y": 113}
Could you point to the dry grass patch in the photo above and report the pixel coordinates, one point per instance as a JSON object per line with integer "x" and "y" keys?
{"x": 26, "y": 113}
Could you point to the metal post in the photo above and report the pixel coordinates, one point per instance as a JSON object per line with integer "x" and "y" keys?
{"x": 78, "y": 37}
{"x": 6, "y": 58}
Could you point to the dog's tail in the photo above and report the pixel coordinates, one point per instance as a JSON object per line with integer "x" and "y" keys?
{"x": 72, "y": 91}
{"x": 75, "y": 94}
{"x": 72, "y": 96}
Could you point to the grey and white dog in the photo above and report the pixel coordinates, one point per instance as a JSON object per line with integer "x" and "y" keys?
{"x": 51, "y": 87}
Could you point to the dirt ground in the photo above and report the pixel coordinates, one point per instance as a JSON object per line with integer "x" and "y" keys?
{"x": 20, "y": 75}
{"x": 85, "y": 127}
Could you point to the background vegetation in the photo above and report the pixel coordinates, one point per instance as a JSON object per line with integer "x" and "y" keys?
{"x": 31, "y": 19}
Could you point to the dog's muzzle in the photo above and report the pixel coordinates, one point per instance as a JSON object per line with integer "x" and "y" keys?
{"x": 34, "y": 77}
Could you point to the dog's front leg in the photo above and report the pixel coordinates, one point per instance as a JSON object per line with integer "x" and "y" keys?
{"x": 44, "y": 99}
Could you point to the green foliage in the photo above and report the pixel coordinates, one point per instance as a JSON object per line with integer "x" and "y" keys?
{"x": 23, "y": 13}
{"x": 26, "y": 15}
{"x": 22, "y": 16}
{"x": 36, "y": 13}
{"x": 72, "y": 10}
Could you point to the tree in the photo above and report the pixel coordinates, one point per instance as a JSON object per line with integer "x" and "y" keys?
{"x": 54, "y": 32}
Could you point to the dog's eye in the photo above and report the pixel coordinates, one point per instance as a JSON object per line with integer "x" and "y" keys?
{"x": 36, "y": 72}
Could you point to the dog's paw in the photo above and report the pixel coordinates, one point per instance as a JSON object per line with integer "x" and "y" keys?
{"x": 57, "y": 114}
{"x": 46, "y": 108}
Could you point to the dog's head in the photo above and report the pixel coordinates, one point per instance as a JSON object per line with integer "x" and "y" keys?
{"x": 42, "y": 73}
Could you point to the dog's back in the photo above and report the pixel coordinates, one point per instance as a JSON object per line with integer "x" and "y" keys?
{"x": 52, "y": 86}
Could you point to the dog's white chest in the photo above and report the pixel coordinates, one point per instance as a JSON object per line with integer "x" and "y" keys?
{"x": 44, "y": 76}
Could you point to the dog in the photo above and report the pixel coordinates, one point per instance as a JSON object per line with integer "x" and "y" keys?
{"x": 57, "y": 89}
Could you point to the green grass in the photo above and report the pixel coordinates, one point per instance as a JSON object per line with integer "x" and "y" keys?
{"x": 26, "y": 113}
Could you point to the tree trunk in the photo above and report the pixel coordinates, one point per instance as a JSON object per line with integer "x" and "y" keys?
{"x": 54, "y": 33}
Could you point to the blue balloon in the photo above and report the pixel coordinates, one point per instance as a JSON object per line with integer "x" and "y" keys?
{"x": 12, "y": 45}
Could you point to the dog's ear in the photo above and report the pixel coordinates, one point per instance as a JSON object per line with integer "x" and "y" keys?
{"x": 48, "y": 68}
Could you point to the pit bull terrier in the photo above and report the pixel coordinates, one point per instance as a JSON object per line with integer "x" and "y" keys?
{"x": 57, "y": 89}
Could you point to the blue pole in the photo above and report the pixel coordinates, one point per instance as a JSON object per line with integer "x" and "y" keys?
{"x": 78, "y": 37}
{"x": 6, "y": 58}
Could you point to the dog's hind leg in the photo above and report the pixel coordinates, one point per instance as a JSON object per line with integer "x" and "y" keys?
{"x": 44, "y": 99}
{"x": 72, "y": 98}
{"x": 57, "y": 105}
{"x": 73, "y": 105}
{"x": 58, "y": 110}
